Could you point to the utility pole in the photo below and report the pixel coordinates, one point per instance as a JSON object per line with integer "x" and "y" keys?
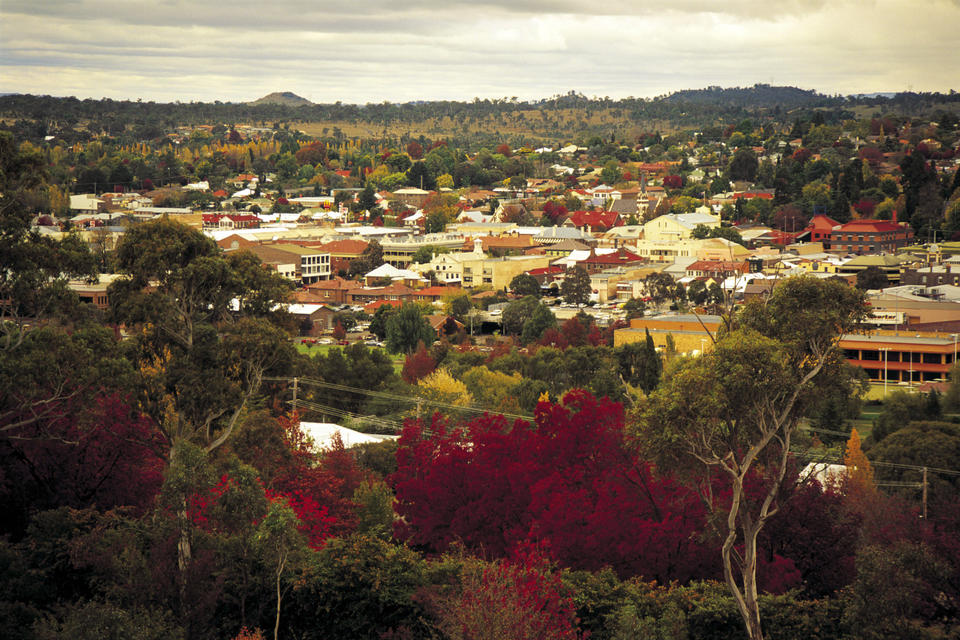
{"x": 295, "y": 386}
{"x": 419, "y": 404}
{"x": 924, "y": 495}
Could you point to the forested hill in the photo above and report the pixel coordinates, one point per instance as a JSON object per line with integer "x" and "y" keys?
{"x": 759, "y": 95}
{"x": 469, "y": 123}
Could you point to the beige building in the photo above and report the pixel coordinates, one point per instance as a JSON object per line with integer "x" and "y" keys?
{"x": 497, "y": 273}
{"x": 674, "y": 226}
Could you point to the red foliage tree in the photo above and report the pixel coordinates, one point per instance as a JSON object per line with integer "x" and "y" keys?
{"x": 673, "y": 182}
{"x": 314, "y": 153}
{"x": 801, "y": 155}
{"x": 518, "y": 599}
{"x": 418, "y": 365}
{"x": 504, "y": 149}
{"x": 865, "y": 207}
{"x": 568, "y": 483}
{"x": 338, "y": 331}
{"x": 554, "y": 211}
{"x": 94, "y": 451}
{"x": 414, "y": 150}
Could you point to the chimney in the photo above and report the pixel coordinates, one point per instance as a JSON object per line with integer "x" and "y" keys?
{"x": 894, "y": 216}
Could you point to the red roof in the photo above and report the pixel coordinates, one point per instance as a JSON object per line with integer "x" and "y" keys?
{"x": 874, "y": 226}
{"x": 620, "y": 256}
{"x": 438, "y": 291}
{"x": 717, "y": 265}
{"x": 545, "y": 271}
{"x": 349, "y": 247}
{"x": 821, "y": 222}
{"x": 373, "y": 306}
{"x": 606, "y": 219}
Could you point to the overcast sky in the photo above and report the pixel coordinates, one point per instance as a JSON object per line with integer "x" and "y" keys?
{"x": 370, "y": 51}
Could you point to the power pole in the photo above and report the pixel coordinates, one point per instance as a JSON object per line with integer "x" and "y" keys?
{"x": 924, "y": 495}
{"x": 295, "y": 386}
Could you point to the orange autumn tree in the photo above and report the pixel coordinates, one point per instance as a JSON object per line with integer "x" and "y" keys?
{"x": 859, "y": 471}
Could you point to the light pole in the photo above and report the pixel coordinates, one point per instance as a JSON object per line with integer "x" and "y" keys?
{"x": 954, "y": 336}
{"x": 702, "y": 342}
{"x": 884, "y": 349}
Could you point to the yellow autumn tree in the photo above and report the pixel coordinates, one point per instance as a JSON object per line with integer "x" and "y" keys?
{"x": 859, "y": 471}
{"x": 439, "y": 390}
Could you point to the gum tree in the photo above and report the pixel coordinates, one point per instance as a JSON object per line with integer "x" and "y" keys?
{"x": 725, "y": 420}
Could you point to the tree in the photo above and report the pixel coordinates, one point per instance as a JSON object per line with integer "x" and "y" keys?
{"x": 282, "y": 546}
{"x": 494, "y": 486}
{"x": 640, "y": 364}
{"x": 859, "y": 472}
{"x": 417, "y": 365}
{"x": 516, "y": 314}
{"x": 406, "y": 328}
{"x": 735, "y": 410}
{"x": 524, "y": 284}
{"x": 635, "y": 308}
{"x": 378, "y": 324}
{"x": 660, "y": 287}
{"x": 576, "y": 288}
{"x": 539, "y": 321}
{"x": 871, "y": 278}
{"x": 743, "y": 165}
{"x": 520, "y": 599}
{"x": 33, "y": 269}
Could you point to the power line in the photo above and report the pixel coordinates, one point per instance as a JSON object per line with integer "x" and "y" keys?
{"x": 399, "y": 398}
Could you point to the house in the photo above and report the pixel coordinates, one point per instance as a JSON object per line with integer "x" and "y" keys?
{"x": 565, "y": 248}
{"x": 554, "y": 235}
{"x": 312, "y": 319}
{"x": 889, "y": 264}
{"x": 394, "y": 292}
{"x": 717, "y": 269}
{"x": 343, "y": 253}
{"x": 593, "y": 220}
{"x": 622, "y": 257}
{"x": 436, "y": 294}
{"x": 389, "y": 272}
{"x": 332, "y": 291}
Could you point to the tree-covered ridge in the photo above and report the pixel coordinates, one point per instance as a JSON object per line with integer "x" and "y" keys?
{"x": 553, "y": 117}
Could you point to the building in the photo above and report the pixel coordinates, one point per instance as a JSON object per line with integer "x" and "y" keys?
{"x": 688, "y": 332}
{"x": 310, "y": 265}
{"x": 901, "y": 359}
{"x": 677, "y": 226}
{"x": 399, "y": 251}
{"x": 870, "y": 236}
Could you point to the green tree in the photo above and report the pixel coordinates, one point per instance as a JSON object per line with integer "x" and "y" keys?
{"x": 283, "y": 549}
{"x": 406, "y": 328}
{"x": 524, "y": 284}
{"x": 34, "y": 269}
{"x": 635, "y": 308}
{"x": 900, "y": 408}
{"x": 540, "y": 320}
{"x": 640, "y": 364}
{"x": 516, "y": 314}
{"x": 871, "y": 278}
{"x": 378, "y": 324}
{"x": 575, "y": 287}
{"x": 735, "y": 411}
{"x": 743, "y": 165}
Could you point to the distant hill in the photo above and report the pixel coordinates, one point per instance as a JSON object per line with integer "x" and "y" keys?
{"x": 756, "y": 96}
{"x": 287, "y": 98}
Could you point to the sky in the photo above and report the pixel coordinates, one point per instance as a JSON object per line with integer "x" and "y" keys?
{"x": 404, "y": 50}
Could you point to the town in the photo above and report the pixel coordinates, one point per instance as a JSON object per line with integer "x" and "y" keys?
{"x": 690, "y": 381}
